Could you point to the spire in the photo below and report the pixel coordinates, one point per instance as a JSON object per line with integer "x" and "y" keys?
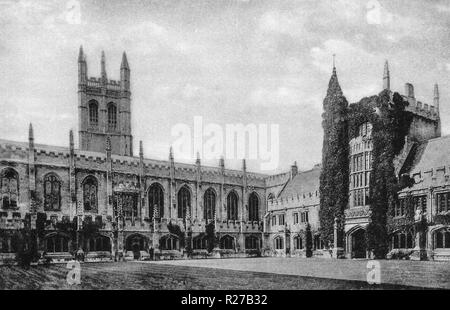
{"x": 124, "y": 64}
{"x": 141, "y": 149}
{"x": 30, "y": 133}
{"x": 71, "y": 143}
{"x": 171, "y": 154}
{"x": 244, "y": 165}
{"x": 103, "y": 66}
{"x": 222, "y": 162}
{"x": 81, "y": 57}
{"x": 386, "y": 77}
{"x": 197, "y": 161}
{"x": 436, "y": 97}
{"x": 333, "y": 85}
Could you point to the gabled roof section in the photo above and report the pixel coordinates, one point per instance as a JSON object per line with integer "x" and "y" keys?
{"x": 303, "y": 183}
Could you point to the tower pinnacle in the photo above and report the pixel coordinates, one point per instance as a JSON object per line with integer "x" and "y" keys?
{"x": 124, "y": 64}
{"x": 103, "y": 68}
{"x": 386, "y": 77}
{"x": 436, "y": 97}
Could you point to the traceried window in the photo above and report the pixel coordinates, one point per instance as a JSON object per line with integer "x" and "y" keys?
{"x": 112, "y": 116}
{"x": 298, "y": 243}
{"x": 443, "y": 202}
{"x": 209, "y": 204}
{"x": 9, "y": 179}
{"x": 200, "y": 243}
{"x": 251, "y": 243}
{"x": 93, "y": 113}
{"x": 232, "y": 206}
{"x": 184, "y": 202}
{"x": 361, "y": 166}
{"x": 253, "y": 207}
{"x": 90, "y": 201}
{"x": 57, "y": 243}
{"x": 278, "y": 243}
{"x": 99, "y": 243}
{"x": 420, "y": 202}
{"x": 156, "y": 201}
{"x": 169, "y": 243}
{"x": 227, "y": 242}
{"x": 52, "y": 193}
{"x": 400, "y": 208}
{"x": 442, "y": 239}
{"x": 402, "y": 240}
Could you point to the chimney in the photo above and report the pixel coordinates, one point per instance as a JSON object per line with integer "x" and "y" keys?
{"x": 294, "y": 170}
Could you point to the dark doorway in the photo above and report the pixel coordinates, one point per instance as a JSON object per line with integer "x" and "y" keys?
{"x": 136, "y": 244}
{"x": 136, "y": 251}
{"x": 359, "y": 244}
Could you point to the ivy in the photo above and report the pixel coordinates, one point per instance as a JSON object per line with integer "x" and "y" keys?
{"x": 334, "y": 174}
{"x": 390, "y": 124}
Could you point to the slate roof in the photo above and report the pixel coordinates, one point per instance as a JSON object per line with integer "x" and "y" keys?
{"x": 304, "y": 182}
{"x": 431, "y": 154}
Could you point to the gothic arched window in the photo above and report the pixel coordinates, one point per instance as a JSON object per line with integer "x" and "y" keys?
{"x": 209, "y": 204}
{"x": 232, "y": 206}
{"x": 57, "y": 243}
{"x": 90, "y": 202}
{"x": 253, "y": 207}
{"x": 52, "y": 193}
{"x": 9, "y": 179}
{"x": 112, "y": 116}
{"x": 184, "y": 202}
{"x": 93, "y": 113}
{"x": 278, "y": 243}
{"x": 156, "y": 201}
{"x": 251, "y": 243}
{"x": 227, "y": 243}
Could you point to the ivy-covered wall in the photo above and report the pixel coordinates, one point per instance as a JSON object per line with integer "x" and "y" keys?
{"x": 334, "y": 175}
{"x": 390, "y": 124}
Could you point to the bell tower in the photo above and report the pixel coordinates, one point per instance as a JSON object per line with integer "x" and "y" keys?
{"x": 104, "y": 108}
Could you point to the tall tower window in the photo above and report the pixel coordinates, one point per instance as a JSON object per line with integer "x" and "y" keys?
{"x": 156, "y": 201}
{"x": 90, "y": 194}
{"x": 52, "y": 193}
{"x": 112, "y": 116}
{"x": 209, "y": 204}
{"x": 361, "y": 166}
{"x": 232, "y": 206}
{"x": 253, "y": 207}
{"x": 93, "y": 113}
{"x": 184, "y": 202}
{"x": 9, "y": 188}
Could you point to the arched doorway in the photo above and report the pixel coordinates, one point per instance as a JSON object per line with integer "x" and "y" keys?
{"x": 358, "y": 247}
{"x": 136, "y": 244}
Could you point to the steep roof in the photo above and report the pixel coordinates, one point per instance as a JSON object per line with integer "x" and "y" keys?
{"x": 303, "y": 183}
{"x": 431, "y": 154}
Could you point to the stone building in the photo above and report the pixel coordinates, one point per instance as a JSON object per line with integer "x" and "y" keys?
{"x": 422, "y": 158}
{"x": 100, "y": 202}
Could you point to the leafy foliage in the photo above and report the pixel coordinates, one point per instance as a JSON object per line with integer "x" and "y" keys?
{"x": 334, "y": 174}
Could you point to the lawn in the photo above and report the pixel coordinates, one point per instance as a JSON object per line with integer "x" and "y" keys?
{"x": 151, "y": 276}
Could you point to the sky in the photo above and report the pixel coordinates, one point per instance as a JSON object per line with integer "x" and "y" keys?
{"x": 228, "y": 61}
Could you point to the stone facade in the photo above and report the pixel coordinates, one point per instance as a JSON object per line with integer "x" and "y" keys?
{"x": 98, "y": 202}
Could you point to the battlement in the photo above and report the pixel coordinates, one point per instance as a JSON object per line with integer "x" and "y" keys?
{"x": 418, "y": 107}
{"x": 97, "y": 83}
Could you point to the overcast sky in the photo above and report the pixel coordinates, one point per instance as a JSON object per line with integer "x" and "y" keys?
{"x": 230, "y": 61}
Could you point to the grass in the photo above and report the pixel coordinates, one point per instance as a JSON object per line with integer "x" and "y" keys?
{"x": 137, "y": 276}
